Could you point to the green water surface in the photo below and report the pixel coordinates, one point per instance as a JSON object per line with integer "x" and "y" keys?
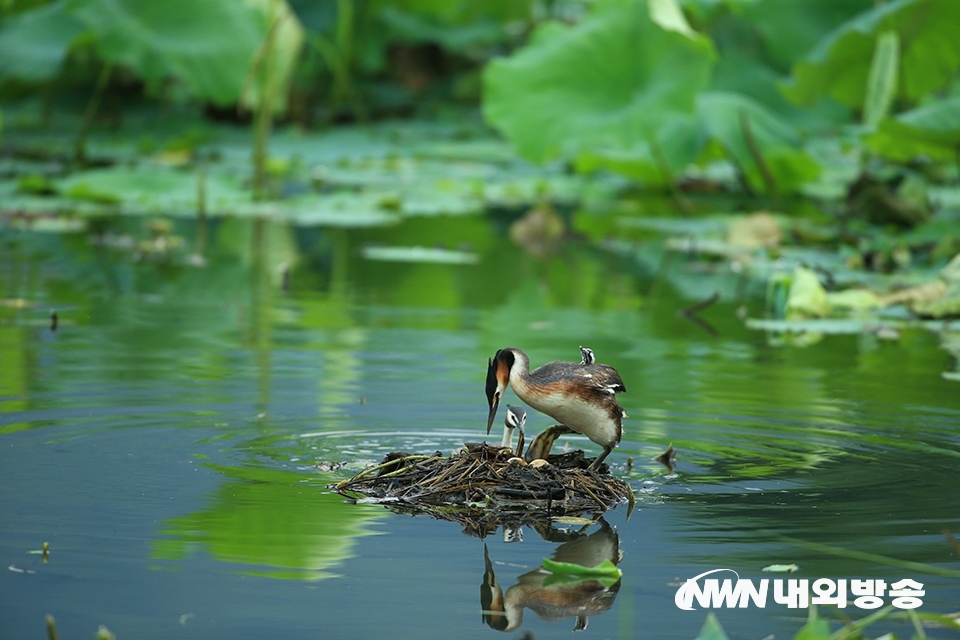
{"x": 165, "y": 438}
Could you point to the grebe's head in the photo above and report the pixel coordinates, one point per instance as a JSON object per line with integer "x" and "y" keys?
{"x": 498, "y": 377}
{"x": 516, "y": 417}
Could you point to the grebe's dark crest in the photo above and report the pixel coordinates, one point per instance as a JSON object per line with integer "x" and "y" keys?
{"x": 580, "y": 396}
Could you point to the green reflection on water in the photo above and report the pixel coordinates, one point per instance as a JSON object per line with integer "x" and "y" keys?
{"x": 766, "y": 433}
{"x": 282, "y": 521}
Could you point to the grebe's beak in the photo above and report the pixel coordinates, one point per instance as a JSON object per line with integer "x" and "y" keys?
{"x": 495, "y": 388}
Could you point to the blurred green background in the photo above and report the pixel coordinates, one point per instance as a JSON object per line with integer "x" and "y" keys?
{"x": 242, "y": 241}
{"x": 761, "y": 97}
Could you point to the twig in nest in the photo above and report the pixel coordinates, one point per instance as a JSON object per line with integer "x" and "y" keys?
{"x": 473, "y": 465}
{"x": 585, "y": 488}
{"x": 382, "y": 465}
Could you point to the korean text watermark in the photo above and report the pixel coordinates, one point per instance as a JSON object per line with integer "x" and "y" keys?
{"x": 716, "y": 593}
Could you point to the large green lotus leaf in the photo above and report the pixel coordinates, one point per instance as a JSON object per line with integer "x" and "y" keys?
{"x": 840, "y": 63}
{"x": 638, "y": 164}
{"x": 460, "y": 13}
{"x": 932, "y": 131}
{"x": 207, "y": 44}
{"x": 34, "y": 43}
{"x": 741, "y": 72}
{"x": 608, "y": 82}
{"x": 320, "y": 17}
{"x": 731, "y": 118}
{"x": 408, "y": 27}
{"x": 789, "y": 29}
{"x": 674, "y": 147}
{"x": 443, "y": 29}
{"x": 759, "y": 42}
{"x": 463, "y": 27}
{"x": 720, "y": 118}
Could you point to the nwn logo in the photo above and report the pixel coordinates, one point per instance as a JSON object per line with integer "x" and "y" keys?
{"x": 716, "y": 594}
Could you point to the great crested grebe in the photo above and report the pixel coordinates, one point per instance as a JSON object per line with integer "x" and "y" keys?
{"x": 580, "y": 396}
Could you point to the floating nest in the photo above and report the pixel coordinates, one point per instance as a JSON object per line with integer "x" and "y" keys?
{"x": 484, "y": 486}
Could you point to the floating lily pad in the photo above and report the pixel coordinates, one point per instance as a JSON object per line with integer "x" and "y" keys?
{"x": 420, "y": 254}
{"x": 153, "y": 190}
{"x": 827, "y": 326}
{"x": 781, "y": 568}
{"x": 49, "y": 224}
{"x": 345, "y": 209}
{"x": 946, "y": 307}
{"x": 606, "y": 573}
{"x": 854, "y": 300}
{"x": 435, "y": 200}
{"x": 432, "y": 186}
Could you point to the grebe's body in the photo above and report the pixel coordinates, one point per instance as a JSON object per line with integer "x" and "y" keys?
{"x": 580, "y": 396}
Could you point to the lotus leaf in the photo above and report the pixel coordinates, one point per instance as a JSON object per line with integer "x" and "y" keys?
{"x": 789, "y": 29}
{"x": 932, "y": 130}
{"x": 840, "y": 63}
{"x": 207, "y": 44}
{"x": 765, "y": 148}
{"x": 608, "y": 82}
{"x": 34, "y": 43}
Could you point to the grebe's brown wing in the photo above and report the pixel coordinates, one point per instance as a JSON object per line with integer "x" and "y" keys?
{"x": 601, "y": 377}
{"x": 609, "y": 377}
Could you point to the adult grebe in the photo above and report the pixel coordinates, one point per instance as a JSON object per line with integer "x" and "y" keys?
{"x": 581, "y": 396}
